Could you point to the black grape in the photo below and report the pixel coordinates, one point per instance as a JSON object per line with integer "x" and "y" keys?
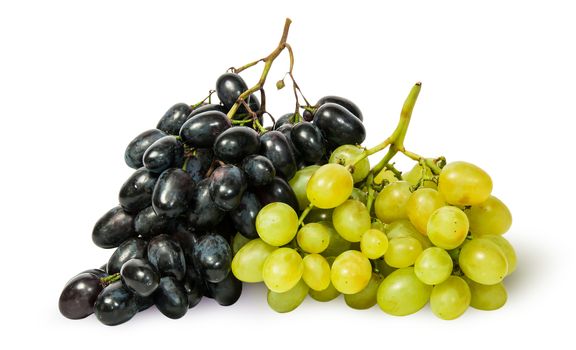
{"x": 244, "y": 216}
{"x": 344, "y": 102}
{"x": 166, "y": 255}
{"x": 339, "y": 126}
{"x": 286, "y": 130}
{"x": 171, "y": 196}
{"x": 165, "y": 153}
{"x": 193, "y": 291}
{"x": 204, "y": 213}
{"x": 285, "y": 119}
{"x": 144, "y": 303}
{"x": 234, "y": 144}
{"x": 136, "y": 192}
{"x": 275, "y": 146}
{"x": 229, "y": 87}
{"x": 149, "y": 224}
{"x": 227, "y": 184}
{"x": 115, "y": 305}
{"x": 212, "y": 257}
{"x": 308, "y": 140}
{"x": 170, "y": 298}
{"x": 100, "y": 273}
{"x": 208, "y": 107}
{"x": 129, "y": 249}
{"x": 173, "y": 119}
{"x": 197, "y": 166}
{"x": 79, "y": 295}
{"x": 226, "y": 292}
{"x": 259, "y": 170}
{"x": 113, "y": 228}
{"x": 277, "y": 191}
{"x": 140, "y": 277}
{"x": 307, "y": 116}
{"x": 186, "y": 239}
{"x": 201, "y": 130}
{"x": 136, "y": 148}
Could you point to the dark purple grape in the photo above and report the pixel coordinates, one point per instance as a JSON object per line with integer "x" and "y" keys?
{"x": 229, "y": 87}
{"x": 308, "y": 140}
{"x": 165, "y": 153}
{"x": 115, "y": 305}
{"x": 201, "y": 130}
{"x": 171, "y": 196}
{"x": 113, "y": 228}
{"x": 171, "y": 298}
{"x": 186, "y": 239}
{"x": 286, "y": 130}
{"x": 259, "y": 170}
{"x": 277, "y": 191}
{"x": 225, "y": 292}
{"x": 79, "y": 295}
{"x": 173, "y": 119}
{"x": 149, "y": 224}
{"x": 204, "y": 213}
{"x": 129, "y": 249}
{"x": 344, "y": 102}
{"x": 140, "y": 277}
{"x": 275, "y": 146}
{"x": 193, "y": 292}
{"x": 136, "y": 148}
{"x": 208, "y": 107}
{"x": 339, "y": 126}
{"x": 136, "y": 192}
{"x": 307, "y": 115}
{"x": 166, "y": 255}
{"x": 212, "y": 257}
{"x": 100, "y": 273}
{"x": 285, "y": 119}
{"x": 227, "y": 185}
{"x": 234, "y": 144}
{"x": 244, "y": 216}
{"x": 197, "y": 166}
{"x": 144, "y": 303}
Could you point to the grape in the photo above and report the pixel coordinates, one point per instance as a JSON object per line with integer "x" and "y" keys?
{"x": 136, "y": 148}
{"x": 208, "y": 107}
{"x": 345, "y": 155}
{"x": 115, "y": 305}
{"x": 235, "y": 143}
{"x": 172, "y": 193}
{"x": 248, "y": 262}
{"x": 204, "y": 213}
{"x": 229, "y": 87}
{"x": 337, "y": 244}
{"x": 447, "y": 227}
{"x": 227, "y": 185}
{"x": 79, "y": 295}
{"x": 244, "y": 215}
{"x": 374, "y": 243}
{"x": 491, "y": 217}
{"x": 415, "y": 175}
{"x": 359, "y": 195}
{"x": 402, "y": 293}
{"x": 390, "y": 204}
{"x": 351, "y": 272}
{"x": 277, "y": 223}
{"x": 402, "y": 252}
{"x": 140, "y": 277}
{"x": 192, "y": 286}
{"x": 149, "y": 224}
{"x": 450, "y": 298}
{"x": 316, "y": 215}
{"x": 212, "y": 257}
{"x": 286, "y": 130}
{"x": 506, "y": 248}
{"x": 379, "y": 225}
{"x": 351, "y": 219}
{"x": 316, "y": 272}
{"x": 284, "y": 119}
{"x": 344, "y": 102}
{"x": 299, "y": 183}
{"x": 171, "y": 298}
{"x": 166, "y": 255}
{"x": 324, "y": 295}
{"x": 201, "y": 130}
{"x": 172, "y": 120}
{"x": 113, "y": 228}
{"x": 282, "y": 270}
{"x": 259, "y": 170}
{"x": 382, "y": 268}
{"x": 486, "y": 297}
{"x": 129, "y": 249}
{"x": 238, "y": 241}
{"x": 433, "y": 266}
{"x": 339, "y": 126}
{"x": 404, "y": 228}
{"x": 227, "y": 291}
{"x": 289, "y": 300}
{"x": 277, "y": 191}
{"x": 164, "y": 153}
{"x": 421, "y": 204}
{"x": 463, "y": 183}
{"x": 198, "y": 165}
{"x": 385, "y": 177}
{"x": 329, "y": 186}
{"x": 275, "y": 147}
{"x": 313, "y": 238}
{"x": 308, "y": 140}
{"x": 483, "y": 261}
{"x": 366, "y": 298}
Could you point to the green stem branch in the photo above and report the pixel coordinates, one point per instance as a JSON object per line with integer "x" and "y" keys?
{"x": 304, "y": 214}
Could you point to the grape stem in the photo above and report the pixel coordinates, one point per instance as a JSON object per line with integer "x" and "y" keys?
{"x": 105, "y": 281}
{"x": 304, "y": 214}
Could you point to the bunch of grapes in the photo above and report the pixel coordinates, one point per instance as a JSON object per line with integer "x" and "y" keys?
{"x": 217, "y": 199}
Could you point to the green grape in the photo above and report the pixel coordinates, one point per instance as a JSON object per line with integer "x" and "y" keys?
{"x": 337, "y": 244}
{"x": 385, "y": 176}
{"x": 345, "y": 155}
{"x": 329, "y": 186}
{"x": 299, "y": 182}
{"x": 327, "y": 294}
{"x": 487, "y": 297}
{"x": 282, "y": 269}
{"x": 483, "y": 261}
{"x": 414, "y": 177}
{"x": 491, "y": 217}
{"x": 433, "y": 266}
{"x": 448, "y": 227}
{"x": 366, "y": 298}
{"x": 404, "y": 228}
{"x": 463, "y": 183}
{"x": 378, "y": 225}
{"x": 277, "y": 223}
{"x": 402, "y": 293}
{"x": 374, "y": 243}
{"x": 402, "y": 252}
{"x": 351, "y": 219}
{"x": 313, "y": 237}
{"x": 238, "y": 242}
{"x": 317, "y": 214}
{"x": 383, "y": 268}
{"x": 359, "y": 195}
{"x": 507, "y": 249}
{"x": 390, "y": 204}
{"x": 316, "y": 271}
{"x": 248, "y": 262}
{"x": 421, "y": 204}
{"x": 450, "y": 298}
{"x": 351, "y": 272}
{"x": 289, "y": 300}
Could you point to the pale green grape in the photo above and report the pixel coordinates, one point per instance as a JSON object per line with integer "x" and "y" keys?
{"x": 248, "y": 262}
{"x": 404, "y": 228}
{"x": 433, "y": 266}
{"x": 447, "y": 227}
{"x": 277, "y": 223}
{"x": 487, "y": 297}
{"x": 414, "y": 176}
{"x": 345, "y": 155}
{"x": 351, "y": 272}
{"x": 491, "y": 217}
{"x": 351, "y": 219}
{"x": 450, "y": 298}
{"x": 329, "y": 186}
{"x": 330, "y": 293}
{"x": 316, "y": 215}
{"x": 289, "y": 300}
{"x": 313, "y": 238}
{"x": 337, "y": 244}
{"x": 316, "y": 272}
{"x": 483, "y": 261}
{"x": 378, "y": 225}
{"x": 385, "y": 176}
{"x": 383, "y": 268}
{"x": 366, "y": 298}
{"x": 421, "y": 204}
{"x": 238, "y": 242}
{"x": 463, "y": 183}
{"x": 390, "y": 204}
{"x": 299, "y": 182}
{"x": 402, "y": 252}
{"x": 374, "y": 243}
{"x": 507, "y": 249}
{"x": 359, "y": 195}
{"x": 402, "y": 293}
{"x": 282, "y": 269}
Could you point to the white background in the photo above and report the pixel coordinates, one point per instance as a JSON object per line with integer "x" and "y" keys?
{"x": 78, "y": 80}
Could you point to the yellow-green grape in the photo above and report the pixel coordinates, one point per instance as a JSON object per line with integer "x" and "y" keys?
{"x": 289, "y": 300}
{"x": 383, "y": 268}
{"x": 366, "y": 298}
{"x": 483, "y": 261}
{"x": 346, "y": 154}
{"x": 313, "y": 237}
{"x": 491, "y": 217}
{"x": 385, "y": 176}
{"x": 402, "y": 252}
{"x": 299, "y": 182}
{"x": 359, "y": 195}
{"x": 277, "y": 223}
{"x": 487, "y": 297}
{"x": 282, "y": 269}
{"x": 414, "y": 177}
{"x": 463, "y": 183}
{"x": 337, "y": 244}
{"x": 390, "y": 204}
{"x": 351, "y": 219}
{"x": 378, "y": 225}
{"x": 450, "y": 298}
{"x": 402, "y": 293}
{"x": 351, "y": 272}
{"x": 238, "y": 242}
{"x": 327, "y": 294}
{"x": 248, "y": 262}
{"x": 507, "y": 249}
{"x": 374, "y": 243}
{"x": 433, "y": 266}
{"x": 316, "y": 215}
{"x": 316, "y": 271}
{"x": 421, "y": 204}
{"x": 329, "y": 186}
{"x": 404, "y": 228}
{"x": 448, "y": 227}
